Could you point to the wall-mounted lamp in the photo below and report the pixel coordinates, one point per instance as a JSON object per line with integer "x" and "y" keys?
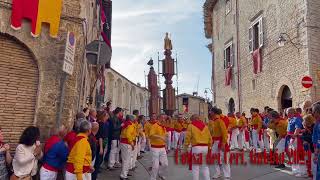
{"x": 284, "y": 37}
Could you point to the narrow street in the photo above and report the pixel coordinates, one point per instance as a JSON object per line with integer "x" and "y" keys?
{"x": 181, "y": 172}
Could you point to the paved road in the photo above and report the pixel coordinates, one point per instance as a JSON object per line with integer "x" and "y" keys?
{"x": 181, "y": 172}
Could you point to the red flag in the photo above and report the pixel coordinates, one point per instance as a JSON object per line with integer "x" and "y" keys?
{"x": 106, "y": 18}
{"x": 228, "y": 76}
{"x": 257, "y": 61}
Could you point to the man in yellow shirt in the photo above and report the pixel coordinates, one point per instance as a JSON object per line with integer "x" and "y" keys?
{"x": 157, "y": 136}
{"x": 178, "y": 128}
{"x": 80, "y": 156}
{"x": 234, "y": 131}
{"x": 241, "y": 125}
{"x": 199, "y": 137}
{"x": 219, "y": 135}
{"x": 256, "y": 123}
{"x": 169, "y": 128}
{"x": 135, "y": 151}
{"x": 280, "y": 126}
{"x": 127, "y": 144}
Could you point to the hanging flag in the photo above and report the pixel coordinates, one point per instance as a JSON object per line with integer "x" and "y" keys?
{"x": 106, "y": 19}
{"x": 228, "y": 76}
{"x": 257, "y": 61}
{"x": 102, "y": 80}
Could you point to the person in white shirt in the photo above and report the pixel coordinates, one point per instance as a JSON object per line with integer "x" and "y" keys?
{"x": 28, "y": 152}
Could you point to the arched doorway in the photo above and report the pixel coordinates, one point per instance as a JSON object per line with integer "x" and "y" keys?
{"x": 232, "y": 106}
{"x": 285, "y": 98}
{"x": 19, "y": 79}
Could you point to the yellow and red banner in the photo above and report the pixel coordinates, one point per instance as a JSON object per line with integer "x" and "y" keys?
{"x": 38, "y": 12}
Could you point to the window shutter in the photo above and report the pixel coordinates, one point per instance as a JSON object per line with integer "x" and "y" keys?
{"x": 260, "y": 32}
{"x": 225, "y": 59}
{"x": 232, "y": 55}
{"x": 250, "y": 39}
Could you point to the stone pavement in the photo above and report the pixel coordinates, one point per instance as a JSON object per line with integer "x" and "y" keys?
{"x": 181, "y": 172}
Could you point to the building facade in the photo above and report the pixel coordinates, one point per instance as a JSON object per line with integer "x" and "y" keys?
{"x": 31, "y": 67}
{"x": 189, "y": 105}
{"x": 249, "y": 68}
{"x": 125, "y": 94}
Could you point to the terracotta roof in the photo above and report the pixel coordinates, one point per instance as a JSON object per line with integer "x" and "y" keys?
{"x": 207, "y": 14}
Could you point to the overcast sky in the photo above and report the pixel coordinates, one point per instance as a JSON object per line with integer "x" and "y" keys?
{"x": 139, "y": 27}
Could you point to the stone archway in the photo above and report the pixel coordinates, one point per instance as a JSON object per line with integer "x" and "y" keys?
{"x": 19, "y": 81}
{"x": 231, "y": 106}
{"x": 285, "y": 98}
{"x": 119, "y": 93}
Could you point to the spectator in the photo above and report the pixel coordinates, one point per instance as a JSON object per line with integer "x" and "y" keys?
{"x": 86, "y": 112}
{"x": 308, "y": 124}
{"x": 103, "y": 116}
{"x": 316, "y": 138}
{"x": 93, "y": 140}
{"x": 55, "y": 155}
{"x": 5, "y": 157}
{"x": 28, "y": 152}
{"x": 115, "y": 130}
{"x": 80, "y": 156}
{"x": 92, "y": 115}
{"x": 73, "y": 133}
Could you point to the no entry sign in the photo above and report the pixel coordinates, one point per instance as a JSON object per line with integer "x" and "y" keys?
{"x": 306, "y": 82}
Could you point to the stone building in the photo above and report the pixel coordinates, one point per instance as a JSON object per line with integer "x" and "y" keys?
{"x": 189, "y": 104}
{"x": 249, "y": 67}
{"x": 31, "y": 67}
{"x": 126, "y": 94}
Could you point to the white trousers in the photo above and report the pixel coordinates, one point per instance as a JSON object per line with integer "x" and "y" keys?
{"x": 241, "y": 139}
{"x": 126, "y": 152}
{"x": 169, "y": 140}
{"x": 266, "y": 139}
{"x": 70, "y": 176}
{"x": 202, "y": 150}
{"x": 224, "y": 166}
{"x": 159, "y": 155}
{"x": 255, "y": 140}
{"x": 143, "y": 143}
{"x": 134, "y": 155}
{"x": 234, "y": 140}
{"x": 114, "y": 153}
{"x": 46, "y": 174}
{"x": 139, "y": 146}
{"x": 281, "y": 146}
{"x": 177, "y": 140}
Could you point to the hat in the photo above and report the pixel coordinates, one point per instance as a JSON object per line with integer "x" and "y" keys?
{"x": 130, "y": 118}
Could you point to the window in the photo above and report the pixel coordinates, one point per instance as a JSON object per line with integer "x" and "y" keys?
{"x": 228, "y": 6}
{"x": 228, "y": 55}
{"x": 254, "y": 84}
{"x": 256, "y": 35}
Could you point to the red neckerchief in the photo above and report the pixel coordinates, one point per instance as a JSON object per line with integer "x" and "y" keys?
{"x": 126, "y": 124}
{"x": 198, "y": 124}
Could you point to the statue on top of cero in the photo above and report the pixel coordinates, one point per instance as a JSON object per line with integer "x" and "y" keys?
{"x": 167, "y": 42}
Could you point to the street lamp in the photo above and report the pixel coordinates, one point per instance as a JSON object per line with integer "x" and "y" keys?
{"x": 284, "y": 37}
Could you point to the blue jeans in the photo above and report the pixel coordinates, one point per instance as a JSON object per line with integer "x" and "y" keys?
{"x": 97, "y": 164}
{"x": 318, "y": 169}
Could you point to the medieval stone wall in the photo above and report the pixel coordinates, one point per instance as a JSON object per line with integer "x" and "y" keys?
{"x": 282, "y": 66}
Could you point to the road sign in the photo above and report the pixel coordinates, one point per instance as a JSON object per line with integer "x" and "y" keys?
{"x": 307, "y": 82}
{"x": 69, "y": 53}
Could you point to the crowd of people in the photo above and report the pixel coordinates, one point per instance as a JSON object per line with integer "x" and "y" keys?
{"x": 107, "y": 138}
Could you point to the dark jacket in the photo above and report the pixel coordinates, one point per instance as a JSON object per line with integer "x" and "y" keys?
{"x": 115, "y": 128}
{"x": 307, "y": 139}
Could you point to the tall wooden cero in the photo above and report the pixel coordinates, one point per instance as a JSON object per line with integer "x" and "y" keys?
{"x": 154, "y": 90}
{"x": 169, "y": 98}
